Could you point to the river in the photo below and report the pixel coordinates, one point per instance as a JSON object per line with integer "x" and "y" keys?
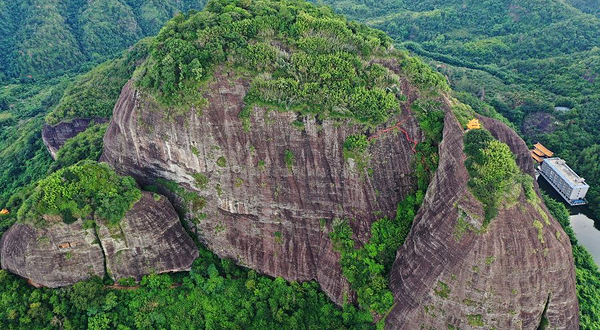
{"x": 586, "y": 228}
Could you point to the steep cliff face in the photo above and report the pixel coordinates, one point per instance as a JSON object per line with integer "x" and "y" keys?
{"x": 449, "y": 274}
{"x": 55, "y": 256}
{"x": 55, "y": 136}
{"x": 262, "y": 208}
{"x": 148, "y": 239}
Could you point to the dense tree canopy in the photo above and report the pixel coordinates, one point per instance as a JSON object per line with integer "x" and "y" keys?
{"x": 79, "y": 191}
{"x": 521, "y": 57}
{"x": 305, "y": 59}
{"x": 45, "y": 38}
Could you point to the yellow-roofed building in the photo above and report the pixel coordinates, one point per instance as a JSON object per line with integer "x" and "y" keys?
{"x": 474, "y": 124}
{"x": 536, "y": 157}
{"x": 540, "y": 147}
{"x": 4, "y": 212}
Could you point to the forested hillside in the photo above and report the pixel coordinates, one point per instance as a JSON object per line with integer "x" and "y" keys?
{"x": 45, "y": 46}
{"x": 44, "y": 38}
{"x": 522, "y": 57}
{"x": 65, "y": 59}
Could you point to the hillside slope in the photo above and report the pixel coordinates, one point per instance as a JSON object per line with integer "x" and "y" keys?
{"x": 521, "y": 57}
{"x": 255, "y": 162}
{"x": 41, "y": 39}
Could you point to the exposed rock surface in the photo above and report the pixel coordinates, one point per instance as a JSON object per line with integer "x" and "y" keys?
{"x": 261, "y": 211}
{"x": 265, "y": 214}
{"x": 501, "y": 278}
{"x": 538, "y": 123}
{"x": 54, "y": 137}
{"x": 54, "y": 256}
{"x": 150, "y": 238}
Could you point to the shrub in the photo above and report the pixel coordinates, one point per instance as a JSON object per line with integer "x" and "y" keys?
{"x": 85, "y": 189}
{"x": 356, "y": 143}
{"x": 492, "y": 168}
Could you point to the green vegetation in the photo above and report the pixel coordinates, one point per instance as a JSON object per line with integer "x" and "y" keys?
{"x": 79, "y": 191}
{"x": 367, "y": 269}
{"x": 192, "y": 201}
{"x": 492, "y": 169}
{"x": 86, "y": 145}
{"x": 289, "y": 159}
{"x": 442, "y": 290}
{"x": 95, "y": 93}
{"x": 215, "y": 294}
{"x": 221, "y": 161}
{"x": 356, "y": 143}
{"x": 475, "y": 320}
{"x": 587, "y": 273}
{"x": 201, "y": 180}
{"x": 308, "y": 60}
{"x": 518, "y": 57}
{"x": 42, "y": 39}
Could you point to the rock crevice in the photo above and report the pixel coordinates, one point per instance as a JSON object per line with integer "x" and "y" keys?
{"x": 149, "y": 239}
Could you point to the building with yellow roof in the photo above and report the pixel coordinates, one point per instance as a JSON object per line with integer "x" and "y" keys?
{"x": 474, "y": 124}
{"x": 539, "y": 147}
{"x": 536, "y": 157}
{"x": 4, "y": 212}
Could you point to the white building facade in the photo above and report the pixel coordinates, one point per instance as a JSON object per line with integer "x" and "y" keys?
{"x": 564, "y": 180}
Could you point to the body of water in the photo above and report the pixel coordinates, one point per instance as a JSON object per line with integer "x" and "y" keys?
{"x": 586, "y": 228}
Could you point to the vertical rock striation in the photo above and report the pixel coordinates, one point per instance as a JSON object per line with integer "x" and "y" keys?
{"x": 55, "y": 136}
{"x": 149, "y": 239}
{"x": 448, "y": 274}
{"x": 264, "y": 210}
{"x": 54, "y": 256}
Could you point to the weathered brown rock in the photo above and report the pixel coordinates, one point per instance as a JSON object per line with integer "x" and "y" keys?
{"x": 150, "y": 238}
{"x": 54, "y": 256}
{"x": 259, "y": 211}
{"x": 501, "y": 278}
{"x": 266, "y": 215}
{"x": 54, "y": 137}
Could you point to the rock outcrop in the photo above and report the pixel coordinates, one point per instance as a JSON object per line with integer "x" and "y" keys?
{"x": 266, "y": 211}
{"x": 55, "y": 136}
{"x": 449, "y": 275}
{"x": 53, "y": 256}
{"x": 150, "y": 238}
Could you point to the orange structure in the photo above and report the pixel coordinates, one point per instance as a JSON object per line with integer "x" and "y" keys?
{"x": 4, "y": 212}
{"x": 474, "y": 124}
{"x": 536, "y": 157}
{"x": 539, "y": 147}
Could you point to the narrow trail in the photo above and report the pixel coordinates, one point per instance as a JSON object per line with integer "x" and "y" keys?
{"x": 135, "y": 287}
{"x": 398, "y": 126}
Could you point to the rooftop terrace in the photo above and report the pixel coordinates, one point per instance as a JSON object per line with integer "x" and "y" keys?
{"x": 561, "y": 166}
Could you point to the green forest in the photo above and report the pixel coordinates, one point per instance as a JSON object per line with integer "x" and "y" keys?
{"x": 66, "y": 59}
{"x": 523, "y": 58}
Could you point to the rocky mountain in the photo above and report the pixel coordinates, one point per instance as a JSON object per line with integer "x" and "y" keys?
{"x": 249, "y": 200}
{"x": 449, "y": 273}
{"x": 270, "y": 125}
{"x": 53, "y": 252}
{"x": 55, "y": 136}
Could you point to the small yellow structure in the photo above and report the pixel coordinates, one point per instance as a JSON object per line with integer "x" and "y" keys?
{"x": 4, "y": 212}
{"x": 536, "y": 157}
{"x": 539, "y": 147}
{"x": 538, "y": 153}
{"x": 474, "y": 124}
